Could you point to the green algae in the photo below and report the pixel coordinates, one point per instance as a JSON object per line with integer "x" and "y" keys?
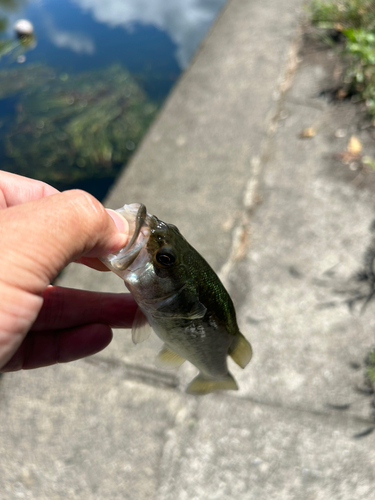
{"x": 72, "y": 127}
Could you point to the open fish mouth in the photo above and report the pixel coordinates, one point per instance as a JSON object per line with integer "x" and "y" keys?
{"x": 138, "y": 220}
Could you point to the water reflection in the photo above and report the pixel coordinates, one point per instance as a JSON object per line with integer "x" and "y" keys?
{"x": 185, "y": 21}
{"x": 75, "y": 41}
{"x": 76, "y": 109}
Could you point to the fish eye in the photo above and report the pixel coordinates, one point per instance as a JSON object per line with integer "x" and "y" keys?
{"x": 165, "y": 257}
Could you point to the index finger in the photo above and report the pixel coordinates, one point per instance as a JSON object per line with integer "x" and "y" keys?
{"x": 70, "y": 307}
{"x": 16, "y": 189}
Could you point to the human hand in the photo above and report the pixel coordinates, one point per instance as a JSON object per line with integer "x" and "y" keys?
{"x": 41, "y": 231}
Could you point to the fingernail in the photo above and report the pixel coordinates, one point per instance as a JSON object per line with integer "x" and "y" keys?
{"x": 121, "y": 223}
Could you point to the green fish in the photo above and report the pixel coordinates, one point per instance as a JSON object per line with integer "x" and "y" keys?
{"x": 183, "y": 300}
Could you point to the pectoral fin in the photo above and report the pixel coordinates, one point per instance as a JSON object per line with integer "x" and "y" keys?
{"x": 197, "y": 311}
{"x": 184, "y": 304}
{"x": 140, "y": 329}
{"x": 241, "y": 353}
{"x": 202, "y": 385}
{"x": 169, "y": 359}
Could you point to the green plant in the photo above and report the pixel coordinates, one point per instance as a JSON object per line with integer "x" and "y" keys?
{"x": 343, "y": 14}
{"x": 10, "y": 44}
{"x": 360, "y": 75}
{"x": 355, "y": 19}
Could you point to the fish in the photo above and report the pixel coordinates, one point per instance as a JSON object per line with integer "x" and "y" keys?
{"x": 183, "y": 300}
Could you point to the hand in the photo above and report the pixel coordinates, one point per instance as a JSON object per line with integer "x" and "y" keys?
{"x": 41, "y": 231}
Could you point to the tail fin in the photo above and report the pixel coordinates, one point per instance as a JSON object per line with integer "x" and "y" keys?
{"x": 241, "y": 353}
{"x": 202, "y": 385}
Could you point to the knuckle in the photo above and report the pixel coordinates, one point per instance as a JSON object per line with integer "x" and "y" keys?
{"x": 88, "y": 222}
{"x": 83, "y": 199}
{"x": 88, "y": 208}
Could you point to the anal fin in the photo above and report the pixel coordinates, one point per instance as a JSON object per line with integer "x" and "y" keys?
{"x": 242, "y": 352}
{"x": 169, "y": 359}
{"x": 202, "y": 385}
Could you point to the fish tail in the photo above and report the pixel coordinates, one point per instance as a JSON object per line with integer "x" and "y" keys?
{"x": 241, "y": 351}
{"x": 202, "y": 385}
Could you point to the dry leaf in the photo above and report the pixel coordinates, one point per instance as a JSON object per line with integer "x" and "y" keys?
{"x": 341, "y": 94}
{"x": 354, "y": 146}
{"x": 308, "y": 133}
{"x": 353, "y": 151}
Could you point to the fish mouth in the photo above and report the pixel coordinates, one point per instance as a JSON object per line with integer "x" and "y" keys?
{"x": 138, "y": 219}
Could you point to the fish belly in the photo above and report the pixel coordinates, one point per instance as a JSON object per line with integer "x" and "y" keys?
{"x": 204, "y": 345}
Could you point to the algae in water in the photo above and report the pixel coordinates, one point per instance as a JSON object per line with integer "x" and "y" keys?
{"x": 72, "y": 127}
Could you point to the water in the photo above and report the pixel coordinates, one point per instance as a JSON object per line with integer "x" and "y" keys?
{"x": 75, "y": 104}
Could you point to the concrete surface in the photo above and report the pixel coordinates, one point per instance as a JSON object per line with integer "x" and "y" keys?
{"x": 286, "y": 225}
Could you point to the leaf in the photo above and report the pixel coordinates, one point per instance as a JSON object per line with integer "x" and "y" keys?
{"x": 370, "y": 162}
{"x": 354, "y": 146}
{"x": 307, "y": 133}
{"x": 350, "y": 34}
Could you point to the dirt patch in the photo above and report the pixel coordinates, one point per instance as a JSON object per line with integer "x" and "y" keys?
{"x": 344, "y": 117}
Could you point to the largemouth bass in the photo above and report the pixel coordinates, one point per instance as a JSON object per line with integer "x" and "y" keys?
{"x": 182, "y": 299}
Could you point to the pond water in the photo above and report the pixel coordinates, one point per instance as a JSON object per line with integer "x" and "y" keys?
{"x": 78, "y": 96}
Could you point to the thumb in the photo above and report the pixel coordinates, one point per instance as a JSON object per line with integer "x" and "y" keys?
{"x": 41, "y": 237}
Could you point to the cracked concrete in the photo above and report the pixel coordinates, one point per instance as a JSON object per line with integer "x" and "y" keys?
{"x": 284, "y": 222}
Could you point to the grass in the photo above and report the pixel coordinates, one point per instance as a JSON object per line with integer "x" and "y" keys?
{"x": 355, "y": 20}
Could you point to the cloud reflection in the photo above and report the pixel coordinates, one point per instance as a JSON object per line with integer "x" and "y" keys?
{"x": 77, "y": 42}
{"x": 185, "y": 21}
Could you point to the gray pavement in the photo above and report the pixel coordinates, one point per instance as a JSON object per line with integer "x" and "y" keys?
{"x": 286, "y": 225}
